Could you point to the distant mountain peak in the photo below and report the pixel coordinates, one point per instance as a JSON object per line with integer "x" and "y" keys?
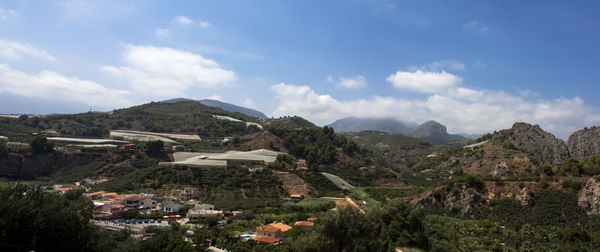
{"x": 435, "y": 133}
{"x": 356, "y": 124}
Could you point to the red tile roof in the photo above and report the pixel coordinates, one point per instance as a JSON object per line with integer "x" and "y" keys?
{"x": 304, "y": 223}
{"x": 267, "y": 228}
{"x": 270, "y": 240}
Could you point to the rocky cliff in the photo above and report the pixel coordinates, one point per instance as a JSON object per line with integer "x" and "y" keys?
{"x": 589, "y": 196}
{"x": 460, "y": 198}
{"x": 542, "y": 145}
{"x": 463, "y": 198}
{"x": 585, "y": 143}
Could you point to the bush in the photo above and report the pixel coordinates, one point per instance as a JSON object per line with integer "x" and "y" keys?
{"x": 155, "y": 148}
{"x": 40, "y": 145}
{"x": 3, "y": 149}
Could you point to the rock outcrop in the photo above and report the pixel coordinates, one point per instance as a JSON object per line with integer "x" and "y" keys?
{"x": 585, "y": 143}
{"x": 589, "y": 196}
{"x": 460, "y": 198}
{"x": 544, "y": 146}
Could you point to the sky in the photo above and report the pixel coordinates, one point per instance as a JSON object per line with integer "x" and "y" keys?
{"x": 474, "y": 66}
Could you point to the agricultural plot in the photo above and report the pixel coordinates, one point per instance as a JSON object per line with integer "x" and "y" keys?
{"x": 339, "y": 182}
{"x": 228, "y": 118}
{"x": 85, "y": 140}
{"x": 140, "y": 137}
{"x": 167, "y": 135}
{"x": 220, "y": 159}
{"x": 255, "y": 155}
{"x": 96, "y": 145}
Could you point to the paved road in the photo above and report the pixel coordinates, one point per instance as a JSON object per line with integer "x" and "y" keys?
{"x": 339, "y": 182}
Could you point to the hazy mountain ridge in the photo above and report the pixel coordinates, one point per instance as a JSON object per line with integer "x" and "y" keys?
{"x": 431, "y": 131}
{"x": 387, "y": 125}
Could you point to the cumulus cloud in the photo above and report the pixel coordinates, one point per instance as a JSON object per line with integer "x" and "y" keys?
{"x": 16, "y": 51}
{"x": 463, "y": 110}
{"x": 161, "y": 33}
{"x": 162, "y": 72}
{"x": 54, "y": 86}
{"x": 426, "y": 82}
{"x": 355, "y": 82}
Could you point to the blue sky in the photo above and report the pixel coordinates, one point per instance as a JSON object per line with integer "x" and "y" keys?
{"x": 475, "y": 66}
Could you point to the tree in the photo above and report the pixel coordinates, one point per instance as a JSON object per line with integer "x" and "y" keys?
{"x": 3, "y": 149}
{"x": 155, "y": 148}
{"x": 35, "y": 220}
{"x": 40, "y": 145}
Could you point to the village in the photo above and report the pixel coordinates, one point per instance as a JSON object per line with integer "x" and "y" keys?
{"x": 142, "y": 213}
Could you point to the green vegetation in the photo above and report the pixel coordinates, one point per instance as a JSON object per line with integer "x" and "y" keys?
{"x": 78, "y": 173}
{"x": 3, "y": 149}
{"x": 384, "y": 194}
{"x": 34, "y": 220}
{"x": 155, "y": 148}
{"x": 311, "y": 205}
{"x": 317, "y": 145}
{"x": 41, "y": 145}
{"x": 181, "y": 117}
{"x": 589, "y": 166}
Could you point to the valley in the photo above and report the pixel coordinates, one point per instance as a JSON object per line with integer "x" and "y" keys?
{"x": 254, "y": 171}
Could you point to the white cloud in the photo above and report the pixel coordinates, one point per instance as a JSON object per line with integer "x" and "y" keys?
{"x": 161, "y": 33}
{"x": 462, "y": 110}
{"x": 183, "y": 20}
{"x": 214, "y": 97}
{"x": 54, "y": 86}
{"x": 16, "y": 51}
{"x": 6, "y": 14}
{"x": 162, "y": 72}
{"x": 355, "y": 82}
{"x": 476, "y": 26}
{"x": 186, "y": 21}
{"x": 426, "y": 82}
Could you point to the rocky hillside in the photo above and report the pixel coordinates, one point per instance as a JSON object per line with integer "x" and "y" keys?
{"x": 589, "y": 196}
{"x": 541, "y": 145}
{"x": 585, "y": 143}
{"x": 394, "y": 149}
{"x": 464, "y": 197}
{"x": 435, "y": 133}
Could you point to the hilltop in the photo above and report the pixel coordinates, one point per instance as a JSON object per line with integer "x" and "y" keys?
{"x": 435, "y": 133}
{"x": 224, "y": 106}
